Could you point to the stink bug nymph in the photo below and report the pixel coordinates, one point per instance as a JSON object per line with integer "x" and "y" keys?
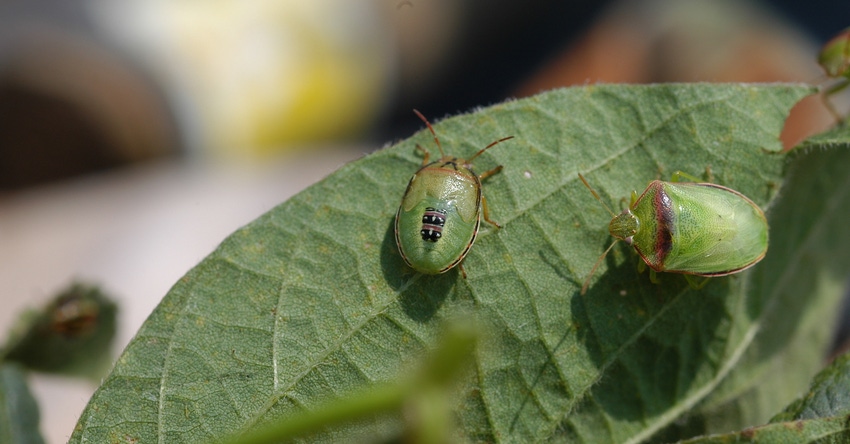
{"x": 697, "y": 229}
{"x": 440, "y": 213}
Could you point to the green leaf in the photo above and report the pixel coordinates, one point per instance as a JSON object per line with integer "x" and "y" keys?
{"x": 312, "y": 300}
{"x": 820, "y": 431}
{"x": 425, "y": 397}
{"x": 18, "y": 410}
{"x": 838, "y": 137}
{"x": 828, "y": 395}
{"x": 71, "y": 335}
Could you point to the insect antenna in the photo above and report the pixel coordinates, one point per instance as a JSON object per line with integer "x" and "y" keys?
{"x": 595, "y": 266}
{"x": 437, "y": 140}
{"x": 598, "y": 261}
{"x": 596, "y": 195}
{"x": 469, "y": 160}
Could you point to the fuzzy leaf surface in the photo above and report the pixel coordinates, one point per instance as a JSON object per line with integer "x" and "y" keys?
{"x": 312, "y": 300}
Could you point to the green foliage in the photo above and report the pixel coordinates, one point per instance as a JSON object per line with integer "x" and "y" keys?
{"x": 834, "y": 57}
{"x": 813, "y": 431}
{"x": 18, "y": 410}
{"x": 423, "y": 398}
{"x": 71, "y": 335}
{"x": 828, "y": 396}
{"x": 820, "y": 416}
{"x": 312, "y": 301}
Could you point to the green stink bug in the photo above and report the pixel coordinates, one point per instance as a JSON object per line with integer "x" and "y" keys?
{"x": 439, "y": 215}
{"x": 834, "y": 58}
{"x": 697, "y": 229}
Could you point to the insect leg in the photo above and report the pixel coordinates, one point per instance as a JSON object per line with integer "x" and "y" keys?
{"x": 425, "y": 154}
{"x": 653, "y": 276}
{"x": 487, "y": 174}
{"x": 695, "y": 282}
{"x": 487, "y": 212}
{"x": 679, "y": 175}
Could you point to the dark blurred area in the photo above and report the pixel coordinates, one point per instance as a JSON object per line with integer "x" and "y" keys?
{"x": 88, "y": 86}
{"x": 497, "y": 46}
{"x": 70, "y": 103}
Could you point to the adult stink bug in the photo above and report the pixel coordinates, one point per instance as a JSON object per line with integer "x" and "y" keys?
{"x": 834, "y": 58}
{"x": 697, "y": 229}
{"x": 439, "y": 215}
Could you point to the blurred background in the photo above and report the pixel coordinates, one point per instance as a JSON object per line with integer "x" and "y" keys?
{"x": 136, "y": 135}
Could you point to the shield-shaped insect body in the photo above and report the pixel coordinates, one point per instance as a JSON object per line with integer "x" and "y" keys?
{"x": 693, "y": 228}
{"x": 438, "y": 219}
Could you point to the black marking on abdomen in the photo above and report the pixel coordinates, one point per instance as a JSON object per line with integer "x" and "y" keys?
{"x": 432, "y": 224}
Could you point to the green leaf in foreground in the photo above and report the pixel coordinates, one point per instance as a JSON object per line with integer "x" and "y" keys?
{"x": 19, "y": 415}
{"x": 312, "y": 301}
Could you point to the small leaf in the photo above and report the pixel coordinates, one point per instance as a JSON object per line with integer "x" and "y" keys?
{"x": 18, "y": 410}
{"x": 312, "y": 300}
{"x": 71, "y": 335}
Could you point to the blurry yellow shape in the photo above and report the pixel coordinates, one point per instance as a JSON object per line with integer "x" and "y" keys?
{"x": 253, "y": 77}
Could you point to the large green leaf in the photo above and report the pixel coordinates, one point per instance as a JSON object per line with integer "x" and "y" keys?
{"x": 312, "y": 300}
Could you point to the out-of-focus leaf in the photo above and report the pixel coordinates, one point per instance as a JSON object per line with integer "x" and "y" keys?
{"x": 18, "y": 410}
{"x": 828, "y": 396}
{"x": 71, "y": 335}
